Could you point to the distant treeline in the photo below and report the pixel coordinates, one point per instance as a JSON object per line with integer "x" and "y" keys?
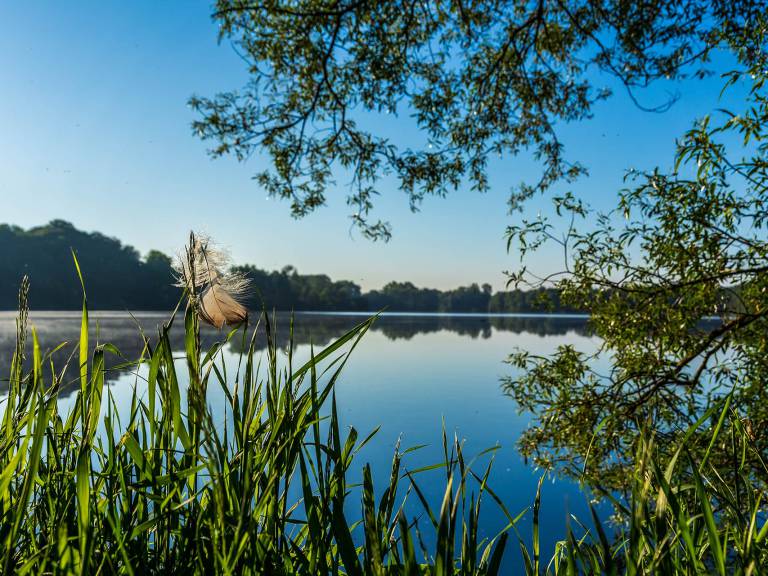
{"x": 319, "y": 330}
{"x": 118, "y": 278}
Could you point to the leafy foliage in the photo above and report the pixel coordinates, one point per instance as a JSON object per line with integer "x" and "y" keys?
{"x": 676, "y": 283}
{"x": 709, "y": 524}
{"x": 480, "y": 78}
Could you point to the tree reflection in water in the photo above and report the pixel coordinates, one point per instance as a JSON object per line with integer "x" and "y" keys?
{"x": 127, "y": 332}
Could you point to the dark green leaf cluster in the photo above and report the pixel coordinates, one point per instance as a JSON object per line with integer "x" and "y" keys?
{"x": 121, "y": 279}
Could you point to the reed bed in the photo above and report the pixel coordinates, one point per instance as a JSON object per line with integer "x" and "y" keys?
{"x": 170, "y": 490}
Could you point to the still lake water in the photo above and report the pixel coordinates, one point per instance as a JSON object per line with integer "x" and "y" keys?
{"x": 409, "y": 374}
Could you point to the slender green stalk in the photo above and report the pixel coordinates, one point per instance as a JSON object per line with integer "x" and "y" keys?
{"x": 173, "y": 488}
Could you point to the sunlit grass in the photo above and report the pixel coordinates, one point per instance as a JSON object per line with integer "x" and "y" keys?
{"x": 170, "y": 490}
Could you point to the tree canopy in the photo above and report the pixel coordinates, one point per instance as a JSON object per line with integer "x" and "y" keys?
{"x": 675, "y": 279}
{"x": 676, "y": 283}
{"x": 480, "y": 78}
{"x": 117, "y": 276}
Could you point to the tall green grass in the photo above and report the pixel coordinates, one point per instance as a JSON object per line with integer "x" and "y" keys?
{"x": 689, "y": 516}
{"x": 171, "y": 489}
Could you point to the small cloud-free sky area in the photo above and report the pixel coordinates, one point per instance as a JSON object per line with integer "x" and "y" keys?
{"x": 94, "y": 129}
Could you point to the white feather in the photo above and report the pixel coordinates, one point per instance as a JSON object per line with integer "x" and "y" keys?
{"x": 218, "y": 293}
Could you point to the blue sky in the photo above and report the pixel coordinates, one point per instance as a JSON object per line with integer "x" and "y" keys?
{"x": 94, "y": 129}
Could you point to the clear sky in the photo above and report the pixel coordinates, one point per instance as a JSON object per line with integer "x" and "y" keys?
{"x": 94, "y": 129}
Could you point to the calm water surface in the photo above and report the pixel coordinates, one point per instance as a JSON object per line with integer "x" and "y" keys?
{"x": 409, "y": 375}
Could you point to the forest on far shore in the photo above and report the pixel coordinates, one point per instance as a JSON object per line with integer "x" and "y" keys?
{"x": 118, "y": 278}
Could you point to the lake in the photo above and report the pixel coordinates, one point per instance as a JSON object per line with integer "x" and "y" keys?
{"x": 409, "y": 375}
